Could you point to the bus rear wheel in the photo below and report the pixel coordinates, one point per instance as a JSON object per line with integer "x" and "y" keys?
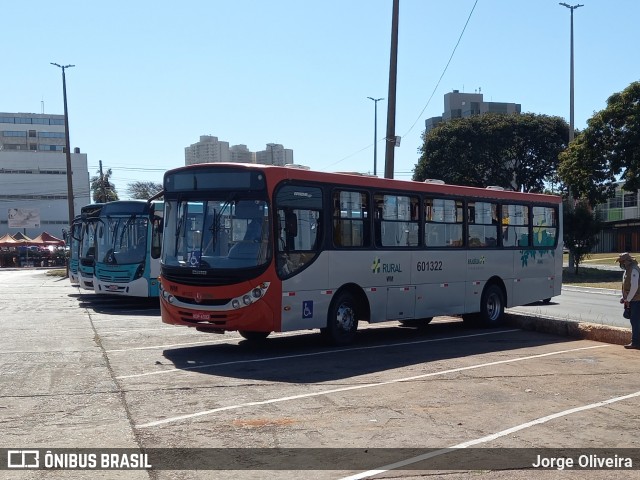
{"x": 253, "y": 336}
{"x": 491, "y": 308}
{"x": 342, "y": 320}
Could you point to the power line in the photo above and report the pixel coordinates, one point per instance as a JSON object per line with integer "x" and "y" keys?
{"x": 445, "y": 68}
{"x": 430, "y": 97}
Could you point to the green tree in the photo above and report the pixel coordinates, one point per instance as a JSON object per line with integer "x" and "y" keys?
{"x": 103, "y": 189}
{"x": 581, "y": 229}
{"x": 608, "y": 149}
{"x": 516, "y": 152}
{"x": 143, "y": 190}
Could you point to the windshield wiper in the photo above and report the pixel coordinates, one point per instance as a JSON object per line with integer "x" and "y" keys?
{"x": 216, "y": 223}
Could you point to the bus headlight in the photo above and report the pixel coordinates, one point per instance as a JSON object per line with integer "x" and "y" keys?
{"x": 251, "y": 296}
{"x": 139, "y": 271}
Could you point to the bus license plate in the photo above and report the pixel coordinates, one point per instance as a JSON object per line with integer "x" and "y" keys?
{"x": 201, "y": 316}
{"x": 112, "y": 288}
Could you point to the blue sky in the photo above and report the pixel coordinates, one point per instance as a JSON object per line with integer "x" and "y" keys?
{"x": 151, "y": 77}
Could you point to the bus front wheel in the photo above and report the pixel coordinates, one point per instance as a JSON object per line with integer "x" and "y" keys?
{"x": 342, "y": 320}
{"x": 253, "y": 336}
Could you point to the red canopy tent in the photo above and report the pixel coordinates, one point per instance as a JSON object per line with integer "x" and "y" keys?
{"x": 8, "y": 241}
{"x": 21, "y": 238}
{"x": 47, "y": 239}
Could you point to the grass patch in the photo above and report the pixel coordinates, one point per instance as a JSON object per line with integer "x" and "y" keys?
{"x": 57, "y": 273}
{"x": 592, "y": 277}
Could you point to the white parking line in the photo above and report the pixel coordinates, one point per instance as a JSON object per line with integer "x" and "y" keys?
{"x": 325, "y": 352}
{"x": 488, "y": 438}
{"x": 355, "y": 387}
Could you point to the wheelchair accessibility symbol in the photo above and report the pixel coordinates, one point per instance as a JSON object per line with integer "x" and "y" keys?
{"x": 307, "y": 309}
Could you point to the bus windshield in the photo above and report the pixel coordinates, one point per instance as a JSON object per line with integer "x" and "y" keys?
{"x": 122, "y": 240}
{"x": 216, "y": 234}
{"x": 87, "y": 245}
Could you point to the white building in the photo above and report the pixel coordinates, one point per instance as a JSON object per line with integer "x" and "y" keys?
{"x": 208, "y": 150}
{"x": 275, "y": 154}
{"x": 211, "y": 150}
{"x": 241, "y": 154}
{"x": 33, "y": 172}
{"x": 464, "y": 105}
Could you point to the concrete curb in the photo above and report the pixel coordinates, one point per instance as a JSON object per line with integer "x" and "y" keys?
{"x": 566, "y": 328}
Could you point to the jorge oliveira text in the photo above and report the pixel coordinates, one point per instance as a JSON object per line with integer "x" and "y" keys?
{"x": 591, "y": 461}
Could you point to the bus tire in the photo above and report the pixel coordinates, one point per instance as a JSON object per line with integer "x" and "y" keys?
{"x": 253, "y": 336}
{"x": 546, "y": 300}
{"x": 492, "y": 306}
{"x": 342, "y": 320}
{"x": 416, "y": 322}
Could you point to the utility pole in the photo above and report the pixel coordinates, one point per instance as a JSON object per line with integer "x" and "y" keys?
{"x": 391, "y": 109}
{"x": 103, "y": 192}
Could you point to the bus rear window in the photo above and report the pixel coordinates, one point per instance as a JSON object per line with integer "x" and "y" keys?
{"x": 545, "y": 226}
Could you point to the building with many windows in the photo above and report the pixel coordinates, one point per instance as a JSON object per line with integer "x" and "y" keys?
{"x": 620, "y": 216}
{"x": 211, "y": 150}
{"x": 275, "y": 154}
{"x": 463, "y": 105}
{"x": 33, "y": 174}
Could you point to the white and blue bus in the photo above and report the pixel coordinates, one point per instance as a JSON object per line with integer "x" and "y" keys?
{"x": 74, "y": 249}
{"x": 86, "y": 249}
{"x": 128, "y": 244}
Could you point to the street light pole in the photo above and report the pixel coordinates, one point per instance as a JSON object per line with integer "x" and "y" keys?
{"x": 375, "y": 134}
{"x": 571, "y": 117}
{"x": 68, "y": 144}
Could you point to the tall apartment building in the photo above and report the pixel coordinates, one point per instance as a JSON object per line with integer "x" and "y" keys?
{"x": 208, "y": 150}
{"x": 463, "y": 105}
{"x": 275, "y": 154}
{"x": 241, "y": 154}
{"x": 211, "y": 150}
{"x": 33, "y": 172}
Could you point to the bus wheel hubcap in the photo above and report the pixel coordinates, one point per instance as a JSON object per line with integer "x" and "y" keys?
{"x": 345, "y": 317}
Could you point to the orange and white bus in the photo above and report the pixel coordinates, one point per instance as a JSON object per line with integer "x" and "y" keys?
{"x": 262, "y": 249}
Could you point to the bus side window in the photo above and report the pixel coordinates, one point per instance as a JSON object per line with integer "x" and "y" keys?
{"x": 351, "y": 219}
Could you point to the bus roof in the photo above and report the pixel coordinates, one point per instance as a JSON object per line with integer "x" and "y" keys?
{"x": 276, "y": 174}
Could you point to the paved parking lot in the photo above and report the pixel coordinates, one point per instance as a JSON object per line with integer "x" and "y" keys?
{"x": 84, "y": 371}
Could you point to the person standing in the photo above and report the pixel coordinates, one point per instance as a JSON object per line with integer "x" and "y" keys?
{"x": 631, "y": 295}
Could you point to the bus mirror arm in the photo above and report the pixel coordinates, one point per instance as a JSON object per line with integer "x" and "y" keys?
{"x": 156, "y": 196}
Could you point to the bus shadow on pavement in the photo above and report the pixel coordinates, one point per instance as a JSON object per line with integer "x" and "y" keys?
{"x": 118, "y": 305}
{"x": 305, "y": 358}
